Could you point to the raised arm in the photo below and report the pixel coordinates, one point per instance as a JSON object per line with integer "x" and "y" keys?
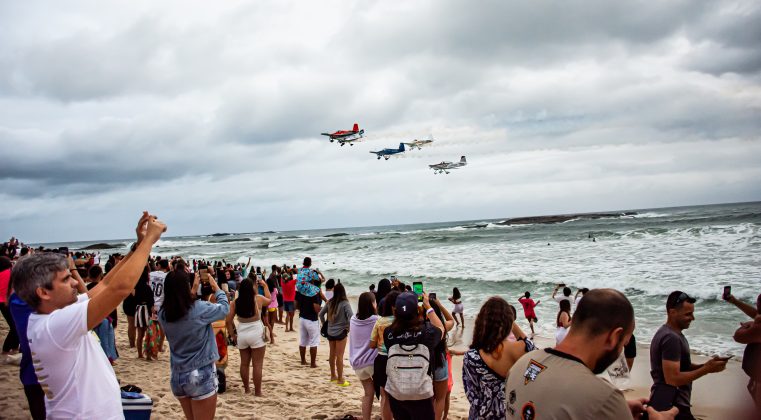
{"x": 122, "y": 282}
{"x": 448, "y": 319}
{"x": 81, "y": 287}
{"x": 555, "y": 291}
{"x": 435, "y": 321}
{"x": 749, "y": 332}
{"x": 747, "y": 309}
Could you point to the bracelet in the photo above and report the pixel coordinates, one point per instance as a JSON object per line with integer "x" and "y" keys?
{"x": 428, "y": 311}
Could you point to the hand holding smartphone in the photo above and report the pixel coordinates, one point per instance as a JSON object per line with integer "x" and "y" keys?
{"x": 727, "y": 292}
{"x": 417, "y": 287}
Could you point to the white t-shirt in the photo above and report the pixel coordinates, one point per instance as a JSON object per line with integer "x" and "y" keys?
{"x": 560, "y": 298}
{"x": 157, "y": 285}
{"x": 78, "y": 380}
{"x": 578, "y": 299}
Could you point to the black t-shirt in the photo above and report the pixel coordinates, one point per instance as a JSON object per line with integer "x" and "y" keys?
{"x": 670, "y": 345}
{"x": 306, "y": 306}
{"x": 143, "y": 294}
{"x": 429, "y": 336}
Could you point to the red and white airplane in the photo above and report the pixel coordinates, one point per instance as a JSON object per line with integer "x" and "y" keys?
{"x": 346, "y": 136}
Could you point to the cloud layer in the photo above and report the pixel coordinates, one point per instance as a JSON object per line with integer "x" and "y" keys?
{"x": 209, "y": 115}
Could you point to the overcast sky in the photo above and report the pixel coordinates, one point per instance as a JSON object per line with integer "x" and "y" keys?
{"x": 209, "y": 114}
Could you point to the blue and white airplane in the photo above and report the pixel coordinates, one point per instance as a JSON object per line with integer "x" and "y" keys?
{"x": 387, "y": 153}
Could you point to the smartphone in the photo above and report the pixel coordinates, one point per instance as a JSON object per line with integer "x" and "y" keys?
{"x": 432, "y": 296}
{"x": 725, "y": 358}
{"x": 258, "y": 270}
{"x": 727, "y": 292}
{"x": 561, "y": 285}
{"x": 417, "y": 287}
{"x": 204, "y": 275}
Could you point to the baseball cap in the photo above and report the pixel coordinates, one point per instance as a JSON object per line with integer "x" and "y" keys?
{"x": 406, "y": 305}
{"x": 676, "y": 298}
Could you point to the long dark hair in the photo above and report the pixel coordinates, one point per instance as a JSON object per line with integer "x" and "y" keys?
{"x": 384, "y": 287}
{"x": 177, "y": 298}
{"x": 365, "y": 307}
{"x": 388, "y": 303}
{"x": 493, "y": 324}
{"x": 245, "y": 303}
{"x": 565, "y": 306}
{"x": 339, "y": 295}
{"x": 401, "y": 325}
{"x": 456, "y": 294}
{"x": 441, "y": 348}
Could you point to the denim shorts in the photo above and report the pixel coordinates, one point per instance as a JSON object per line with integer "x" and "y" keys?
{"x": 289, "y": 306}
{"x": 442, "y": 372}
{"x": 196, "y": 385}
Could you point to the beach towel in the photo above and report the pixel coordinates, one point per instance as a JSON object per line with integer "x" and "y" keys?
{"x": 303, "y": 282}
{"x": 152, "y": 339}
{"x": 220, "y": 335}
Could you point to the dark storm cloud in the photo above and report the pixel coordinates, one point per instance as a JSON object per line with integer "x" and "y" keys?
{"x": 560, "y": 99}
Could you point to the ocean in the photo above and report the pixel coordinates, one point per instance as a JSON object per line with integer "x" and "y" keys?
{"x": 645, "y": 253}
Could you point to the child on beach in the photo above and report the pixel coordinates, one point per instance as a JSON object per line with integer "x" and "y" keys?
{"x": 288, "y": 282}
{"x": 272, "y": 309}
{"x": 456, "y": 298}
{"x": 528, "y": 309}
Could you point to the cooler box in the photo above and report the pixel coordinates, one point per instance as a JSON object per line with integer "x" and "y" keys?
{"x": 137, "y": 408}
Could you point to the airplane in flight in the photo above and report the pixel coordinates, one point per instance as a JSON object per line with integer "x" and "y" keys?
{"x": 387, "y": 153}
{"x": 447, "y": 166}
{"x": 346, "y": 136}
{"x": 419, "y": 143}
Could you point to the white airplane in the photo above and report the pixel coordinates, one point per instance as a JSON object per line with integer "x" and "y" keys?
{"x": 447, "y": 166}
{"x": 419, "y": 143}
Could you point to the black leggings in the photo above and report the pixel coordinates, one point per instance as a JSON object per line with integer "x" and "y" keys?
{"x": 36, "y": 399}
{"x": 11, "y": 340}
{"x": 412, "y": 410}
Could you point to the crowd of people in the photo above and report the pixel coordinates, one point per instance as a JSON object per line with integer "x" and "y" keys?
{"x": 397, "y": 339}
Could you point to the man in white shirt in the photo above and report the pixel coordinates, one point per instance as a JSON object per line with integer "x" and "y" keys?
{"x": 78, "y": 380}
{"x": 157, "y": 285}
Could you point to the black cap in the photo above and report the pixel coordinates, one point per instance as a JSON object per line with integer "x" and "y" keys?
{"x": 406, "y": 305}
{"x": 676, "y": 298}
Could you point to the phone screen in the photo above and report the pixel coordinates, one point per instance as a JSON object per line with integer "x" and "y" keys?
{"x": 417, "y": 287}
{"x": 432, "y": 296}
{"x": 727, "y": 292}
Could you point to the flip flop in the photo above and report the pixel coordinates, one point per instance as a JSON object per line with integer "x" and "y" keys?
{"x": 345, "y": 384}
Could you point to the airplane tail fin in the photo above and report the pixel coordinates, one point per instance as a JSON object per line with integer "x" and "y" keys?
{"x": 356, "y": 127}
{"x": 462, "y": 159}
{"x": 401, "y": 147}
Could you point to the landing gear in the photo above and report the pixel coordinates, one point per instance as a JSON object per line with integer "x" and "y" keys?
{"x": 331, "y": 140}
{"x": 342, "y": 144}
{"x": 350, "y": 144}
{"x": 386, "y": 157}
{"x": 378, "y": 157}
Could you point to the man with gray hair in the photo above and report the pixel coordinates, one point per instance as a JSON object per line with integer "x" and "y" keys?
{"x": 75, "y": 374}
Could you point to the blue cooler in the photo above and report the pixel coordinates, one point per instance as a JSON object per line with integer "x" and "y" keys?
{"x": 137, "y": 408}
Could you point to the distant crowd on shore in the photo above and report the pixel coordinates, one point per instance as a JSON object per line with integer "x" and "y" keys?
{"x": 397, "y": 338}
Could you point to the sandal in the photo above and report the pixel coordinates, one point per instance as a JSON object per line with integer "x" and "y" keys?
{"x": 345, "y": 384}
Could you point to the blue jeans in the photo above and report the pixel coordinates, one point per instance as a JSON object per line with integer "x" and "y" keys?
{"x": 196, "y": 385}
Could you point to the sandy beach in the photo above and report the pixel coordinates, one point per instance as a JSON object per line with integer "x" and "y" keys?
{"x": 292, "y": 391}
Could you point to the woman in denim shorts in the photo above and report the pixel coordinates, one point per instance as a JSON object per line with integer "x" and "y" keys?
{"x": 193, "y": 349}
